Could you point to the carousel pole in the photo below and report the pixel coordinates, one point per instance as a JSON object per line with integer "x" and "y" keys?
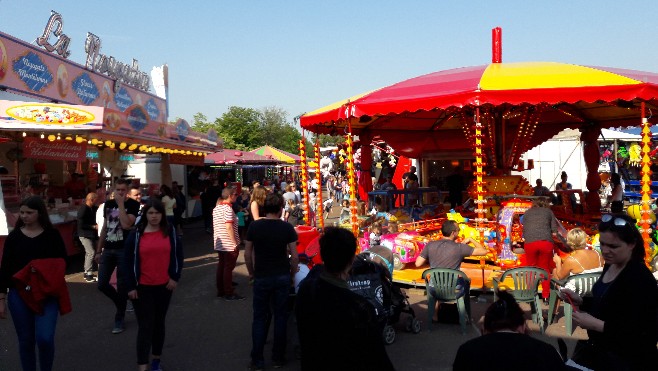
{"x": 351, "y": 175}
{"x": 479, "y": 164}
{"x": 304, "y": 175}
{"x": 318, "y": 175}
{"x": 645, "y": 212}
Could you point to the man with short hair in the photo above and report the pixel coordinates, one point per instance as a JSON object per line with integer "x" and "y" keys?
{"x": 119, "y": 215}
{"x": 338, "y": 329}
{"x": 88, "y": 233}
{"x": 269, "y": 243}
{"x": 541, "y": 190}
{"x": 446, "y": 252}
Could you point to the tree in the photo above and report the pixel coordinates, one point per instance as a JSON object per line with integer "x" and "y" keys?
{"x": 277, "y": 132}
{"x": 240, "y": 128}
{"x": 200, "y": 123}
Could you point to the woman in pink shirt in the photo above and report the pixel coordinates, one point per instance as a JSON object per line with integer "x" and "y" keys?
{"x": 154, "y": 261}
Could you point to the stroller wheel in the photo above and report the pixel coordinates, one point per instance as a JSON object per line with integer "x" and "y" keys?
{"x": 415, "y": 325}
{"x": 388, "y": 334}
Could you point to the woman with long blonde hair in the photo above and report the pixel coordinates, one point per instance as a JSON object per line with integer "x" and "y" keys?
{"x": 257, "y": 202}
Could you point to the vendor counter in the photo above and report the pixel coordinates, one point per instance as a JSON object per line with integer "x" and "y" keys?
{"x": 64, "y": 220}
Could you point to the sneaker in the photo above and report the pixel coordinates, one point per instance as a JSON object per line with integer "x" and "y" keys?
{"x": 234, "y": 297}
{"x": 279, "y": 364}
{"x": 118, "y": 327}
{"x": 155, "y": 365}
{"x": 130, "y": 307}
{"x": 89, "y": 278}
{"x": 256, "y": 367}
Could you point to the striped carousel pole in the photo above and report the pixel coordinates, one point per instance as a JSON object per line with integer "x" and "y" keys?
{"x": 304, "y": 190}
{"x": 318, "y": 175}
{"x": 645, "y": 220}
{"x": 351, "y": 181}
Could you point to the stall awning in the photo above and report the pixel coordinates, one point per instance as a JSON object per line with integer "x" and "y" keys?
{"x": 237, "y": 157}
{"x": 131, "y": 129}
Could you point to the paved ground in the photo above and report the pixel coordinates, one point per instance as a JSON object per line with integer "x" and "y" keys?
{"x": 206, "y": 333}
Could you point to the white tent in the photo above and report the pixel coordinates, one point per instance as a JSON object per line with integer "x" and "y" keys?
{"x": 564, "y": 152}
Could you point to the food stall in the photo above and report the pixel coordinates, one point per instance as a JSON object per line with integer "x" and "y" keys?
{"x": 59, "y": 118}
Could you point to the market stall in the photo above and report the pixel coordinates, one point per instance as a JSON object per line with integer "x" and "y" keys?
{"x": 64, "y": 124}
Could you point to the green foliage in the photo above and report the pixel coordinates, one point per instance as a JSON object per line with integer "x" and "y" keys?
{"x": 247, "y": 129}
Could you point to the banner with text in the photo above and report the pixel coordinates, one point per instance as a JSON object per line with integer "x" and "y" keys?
{"x": 58, "y": 150}
{"x": 185, "y": 160}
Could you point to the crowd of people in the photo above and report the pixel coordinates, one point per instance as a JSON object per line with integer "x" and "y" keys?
{"x": 141, "y": 241}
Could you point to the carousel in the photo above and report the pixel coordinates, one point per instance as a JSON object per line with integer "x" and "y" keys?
{"x": 496, "y": 113}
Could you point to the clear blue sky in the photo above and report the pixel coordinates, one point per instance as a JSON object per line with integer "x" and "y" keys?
{"x": 300, "y": 55}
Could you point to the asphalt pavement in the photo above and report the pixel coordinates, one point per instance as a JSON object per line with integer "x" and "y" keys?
{"x": 207, "y": 333}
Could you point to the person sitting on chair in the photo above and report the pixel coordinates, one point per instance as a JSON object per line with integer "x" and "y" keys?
{"x": 447, "y": 253}
{"x": 504, "y": 325}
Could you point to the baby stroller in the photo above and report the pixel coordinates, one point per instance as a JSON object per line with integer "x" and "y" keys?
{"x": 372, "y": 280}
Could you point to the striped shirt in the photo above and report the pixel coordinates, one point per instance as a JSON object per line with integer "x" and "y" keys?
{"x": 221, "y": 215}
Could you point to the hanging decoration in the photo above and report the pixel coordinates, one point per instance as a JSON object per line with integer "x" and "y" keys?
{"x": 646, "y": 212}
{"x": 238, "y": 175}
{"x": 635, "y": 154}
{"x": 318, "y": 174}
{"x": 304, "y": 175}
{"x": 479, "y": 164}
{"x": 351, "y": 181}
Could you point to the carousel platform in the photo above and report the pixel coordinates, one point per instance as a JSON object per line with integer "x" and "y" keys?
{"x": 412, "y": 276}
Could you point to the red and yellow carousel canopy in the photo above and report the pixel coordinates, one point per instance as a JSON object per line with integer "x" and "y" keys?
{"x": 437, "y": 104}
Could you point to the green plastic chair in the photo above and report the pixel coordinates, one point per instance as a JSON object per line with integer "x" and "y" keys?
{"x": 583, "y": 283}
{"x": 525, "y": 289}
{"x": 441, "y": 285}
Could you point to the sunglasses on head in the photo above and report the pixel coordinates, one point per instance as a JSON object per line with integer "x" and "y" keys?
{"x": 619, "y": 222}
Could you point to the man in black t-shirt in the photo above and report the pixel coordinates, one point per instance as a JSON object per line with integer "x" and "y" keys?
{"x": 120, "y": 215}
{"x": 270, "y": 241}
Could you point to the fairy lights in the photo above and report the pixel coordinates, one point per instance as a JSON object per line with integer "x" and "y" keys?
{"x": 304, "y": 175}
{"x": 318, "y": 174}
{"x": 645, "y": 220}
{"x": 351, "y": 181}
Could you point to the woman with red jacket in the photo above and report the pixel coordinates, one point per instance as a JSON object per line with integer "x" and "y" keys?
{"x": 33, "y": 237}
{"x": 154, "y": 261}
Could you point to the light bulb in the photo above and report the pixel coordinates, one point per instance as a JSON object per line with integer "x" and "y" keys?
{"x": 24, "y": 134}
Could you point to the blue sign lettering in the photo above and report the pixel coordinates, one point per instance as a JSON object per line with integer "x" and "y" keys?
{"x": 85, "y": 88}
{"x": 34, "y": 73}
{"x": 122, "y": 99}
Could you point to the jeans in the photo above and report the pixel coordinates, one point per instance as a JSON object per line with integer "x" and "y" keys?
{"x": 151, "y": 311}
{"x": 111, "y": 259}
{"x": 34, "y": 329}
{"x": 90, "y": 250}
{"x": 225, "y": 266}
{"x": 270, "y": 296}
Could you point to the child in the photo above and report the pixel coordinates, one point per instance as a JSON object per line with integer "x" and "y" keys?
{"x": 327, "y": 205}
{"x": 375, "y": 235}
{"x": 345, "y": 211}
{"x": 295, "y": 214}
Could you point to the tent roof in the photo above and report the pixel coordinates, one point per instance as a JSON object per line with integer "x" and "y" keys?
{"x": 606, "y": 134}
{"x": 234, "y": 156}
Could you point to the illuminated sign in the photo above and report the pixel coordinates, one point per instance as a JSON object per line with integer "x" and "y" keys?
{"x": 107, "y": 65}
{"x": 54, "y": 27}
{"x": 48, "y": 113}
